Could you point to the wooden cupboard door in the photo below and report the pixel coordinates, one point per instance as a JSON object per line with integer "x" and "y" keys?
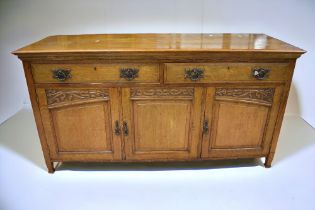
{"x": 163, "y": 123}
{"x": 240, "y": 121}
{"x": 80, "y": 123}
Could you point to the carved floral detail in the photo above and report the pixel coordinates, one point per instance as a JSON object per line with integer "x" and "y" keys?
{"x": 62, "y": 96}
{"x": 162, "y": 92}
{"x": 261, "y": 94}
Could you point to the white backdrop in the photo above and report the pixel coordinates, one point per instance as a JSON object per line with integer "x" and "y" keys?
{"x": 26, "y": 21}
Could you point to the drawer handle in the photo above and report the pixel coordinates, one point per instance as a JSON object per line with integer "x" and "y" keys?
{"x": 125, "y": 127}
{"x": 194, "y": 74}
{"x": 205, "y": 127}
{"x": 260, "y": 73}
{"x": 117, "y": 128}
{"x": 129, "y": 73}
{"x": 61, "y": 74}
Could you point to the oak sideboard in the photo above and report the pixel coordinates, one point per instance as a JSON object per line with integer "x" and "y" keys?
{"x": 158, "y": 97}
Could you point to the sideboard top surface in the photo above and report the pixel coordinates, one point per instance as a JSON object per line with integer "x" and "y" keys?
{"x": 102, "y": 43}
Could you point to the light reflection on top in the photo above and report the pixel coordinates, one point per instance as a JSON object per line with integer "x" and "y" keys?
{"x": 156, "y": 42}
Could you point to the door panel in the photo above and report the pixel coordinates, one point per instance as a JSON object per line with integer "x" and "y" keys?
{"x": 161, "y": 125}
{"x": 238, "y": 125}
{"x": 91, "y": 134}
{"x": 164, "y": 122}
{"x": 79, "y": 122}
{"x": 240, "y": 118}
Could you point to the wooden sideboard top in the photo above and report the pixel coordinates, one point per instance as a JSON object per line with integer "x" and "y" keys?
{"x": 158, "y": 43}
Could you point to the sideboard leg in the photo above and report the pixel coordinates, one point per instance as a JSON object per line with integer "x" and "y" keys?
{"x": 268, "y": 160}
{"x": 50, "y": 167}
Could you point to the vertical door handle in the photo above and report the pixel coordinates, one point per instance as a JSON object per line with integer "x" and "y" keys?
{"x": 205, "y": 127}
{"x": 125, "y": 128}
{"x": 117, "y": 128}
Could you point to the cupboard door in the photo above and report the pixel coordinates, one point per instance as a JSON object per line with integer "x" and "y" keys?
{"x": 161, "y": 123}
{"x": 79, "y": 123}
{"x": 241, "y": 121}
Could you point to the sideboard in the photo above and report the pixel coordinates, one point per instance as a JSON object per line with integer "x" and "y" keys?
{"x": 158, "y": 97}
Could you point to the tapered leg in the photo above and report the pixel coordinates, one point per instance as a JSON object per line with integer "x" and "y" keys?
{"x": 268, "y": 160}
{"x": 50, "y": 166}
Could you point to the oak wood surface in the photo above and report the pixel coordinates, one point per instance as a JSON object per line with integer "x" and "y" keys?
{"x": 163, "y": 123}
{"x": 161, "y": 47}
{"x": 238, "y": 125}
{"x": 90, "y": 73}
{"x": 158, "y": 42}
{"x": 277, "y": 126}
{"x": 37, "y": 116}
{"x": 222, "y": 72}
{"x": 241, "y": 124}
{"x": 226, "y": 114}
{"x": 80, "y": 129}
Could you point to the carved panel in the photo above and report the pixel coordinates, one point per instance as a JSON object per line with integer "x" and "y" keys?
{"x": 256, "y": 94}
{"x": 162, "y": 92}
{"x": 62, "y": 96}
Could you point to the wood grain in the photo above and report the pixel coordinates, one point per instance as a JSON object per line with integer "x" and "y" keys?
{"x": 81, "y": 129}
{"x": 221, "y": 72}
{"x": 37, "y": 116}
{"x": 277, "y": 125}
{"x": 158, "y": 42}
{"x": 162, "y": 128}
{"x": 227, "y": 114}
{"x": 95, "y": 73}
{"x": 158, "y": 123}
{"x": 239, "y": 127}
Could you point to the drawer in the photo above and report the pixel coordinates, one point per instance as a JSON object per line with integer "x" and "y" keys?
{"x": 220, "y": 72}
{"x": 94, "y": 73}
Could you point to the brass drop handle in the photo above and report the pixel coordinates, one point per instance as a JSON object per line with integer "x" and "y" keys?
{"x": 125, "y": 128}
{"x": 61, "y": 74}
{"x": 117, "y": 128}
{"x": 205, "y": 127}
{"x": 260, "y": 73}
{"x": 194, "y": 74}
{"x": 129, "y": 73}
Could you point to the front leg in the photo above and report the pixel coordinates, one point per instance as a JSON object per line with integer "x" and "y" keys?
{"x": 50, "y": 166}
{"x": 269, "y": 159}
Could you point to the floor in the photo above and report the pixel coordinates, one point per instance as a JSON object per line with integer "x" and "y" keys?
{"x": 25, "y": 183}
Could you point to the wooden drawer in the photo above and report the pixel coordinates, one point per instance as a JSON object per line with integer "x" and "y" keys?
{"x": 221, "y": 72}
{"x": 89, "y": 73}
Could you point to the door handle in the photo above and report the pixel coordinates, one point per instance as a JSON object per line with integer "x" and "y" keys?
{"x": 205, "y": 127}
{"x": 125, "y": 128}
{"x": 117, "y": 128}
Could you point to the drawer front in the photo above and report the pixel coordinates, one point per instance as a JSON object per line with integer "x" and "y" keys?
{"x": 89, "y": 73}
{"x": 220, "y": 72}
